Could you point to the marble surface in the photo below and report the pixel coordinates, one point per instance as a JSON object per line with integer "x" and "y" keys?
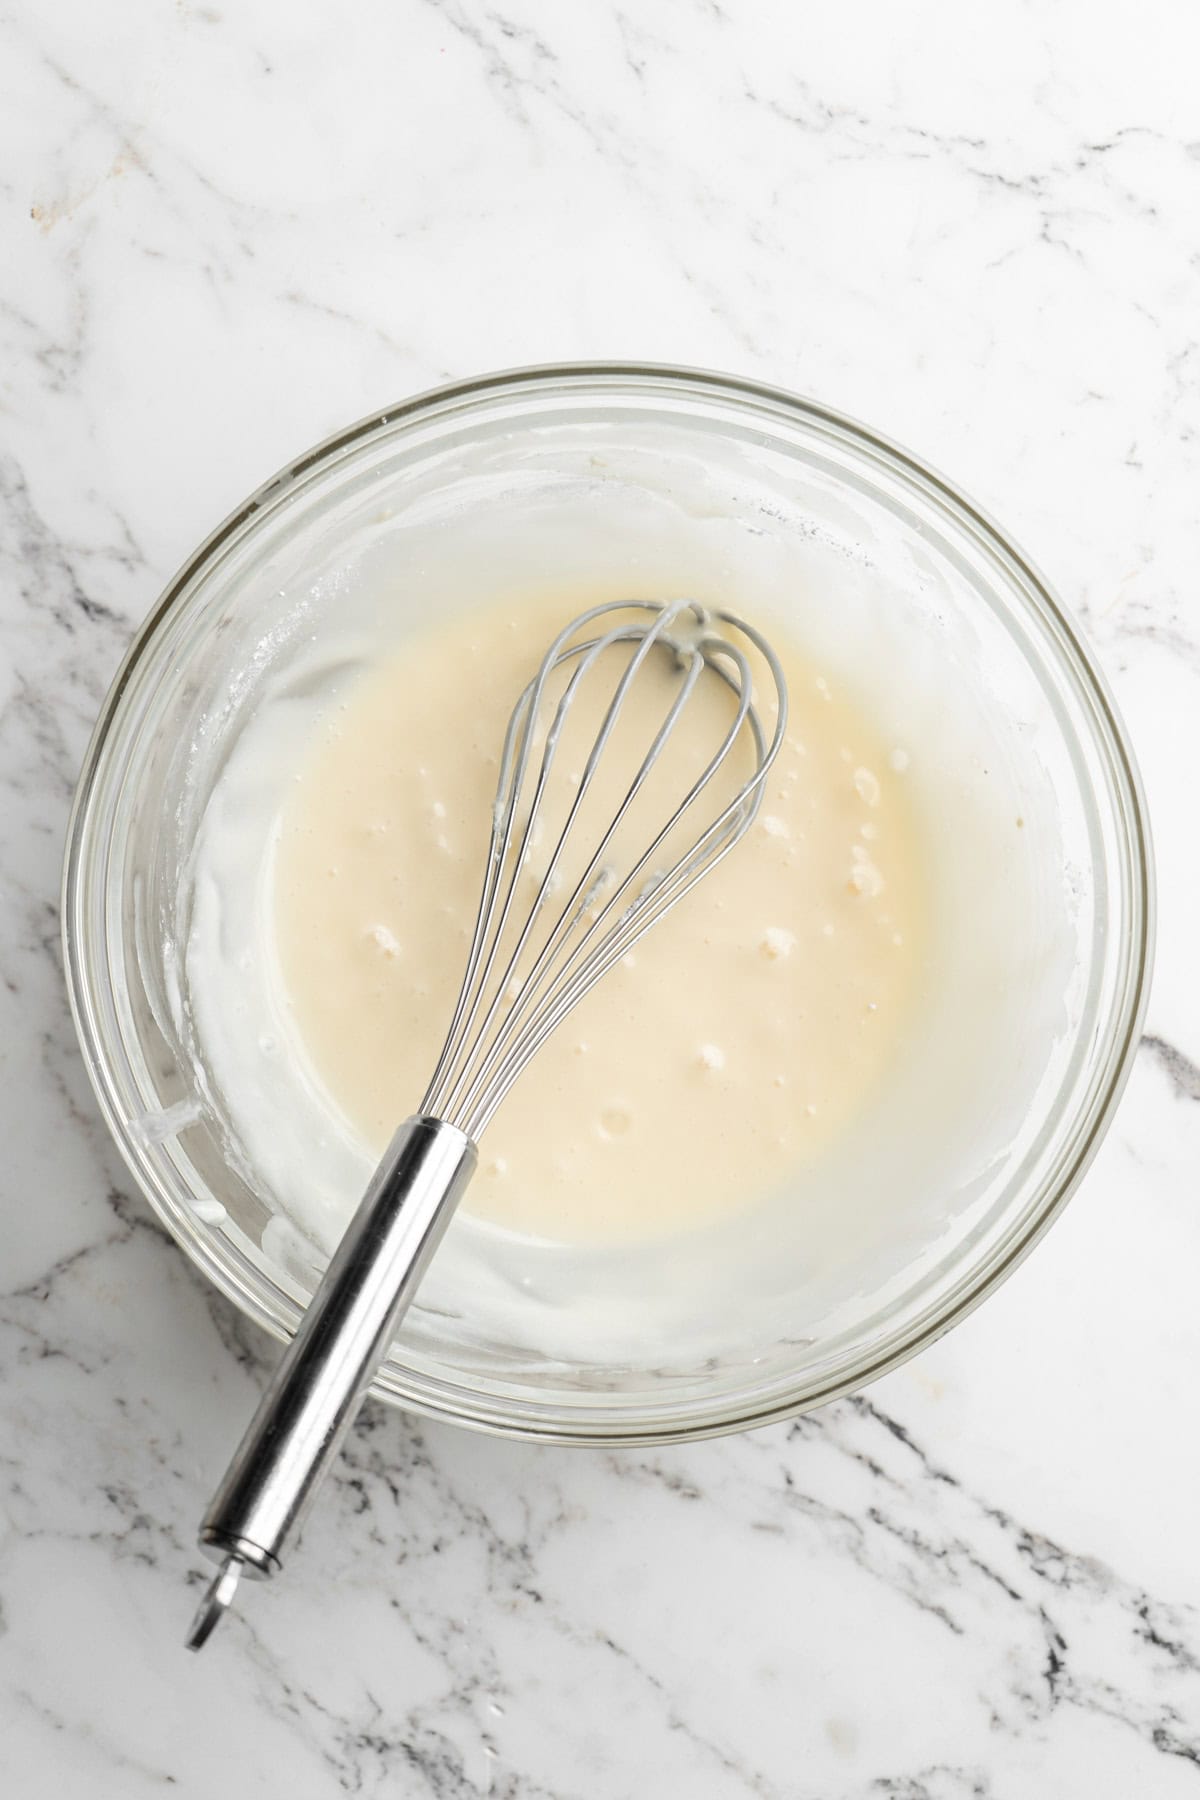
{"x": 226, "y": 233}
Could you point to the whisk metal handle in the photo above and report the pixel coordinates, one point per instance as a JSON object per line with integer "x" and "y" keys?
{"x": 326, "y": 1370}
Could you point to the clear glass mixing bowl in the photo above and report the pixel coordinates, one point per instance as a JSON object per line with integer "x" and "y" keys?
{"x": 791, "y": 480}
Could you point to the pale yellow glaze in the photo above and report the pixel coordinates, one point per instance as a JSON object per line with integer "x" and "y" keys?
{"x": 751, "y": 1027}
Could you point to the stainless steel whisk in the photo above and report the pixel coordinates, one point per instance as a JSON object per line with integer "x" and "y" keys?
{"x": 504, "y": 1013}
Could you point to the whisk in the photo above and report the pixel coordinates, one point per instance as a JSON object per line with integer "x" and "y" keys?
{"x": 548, "y": 928}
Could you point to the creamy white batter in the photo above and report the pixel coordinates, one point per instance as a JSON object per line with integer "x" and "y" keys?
{"x": 743, "y": 1036}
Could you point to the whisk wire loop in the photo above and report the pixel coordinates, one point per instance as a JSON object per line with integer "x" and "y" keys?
{"x": 504, "y": 1013}
{"x": 524, "y": 721}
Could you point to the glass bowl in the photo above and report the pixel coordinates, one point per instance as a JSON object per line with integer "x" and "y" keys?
{"x": 1004, "y": 1098}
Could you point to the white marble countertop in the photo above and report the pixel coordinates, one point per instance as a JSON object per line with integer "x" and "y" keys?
{"x": 226, "y": 234}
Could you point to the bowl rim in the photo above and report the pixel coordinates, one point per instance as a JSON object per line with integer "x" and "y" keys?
{"x": 1128, "y": 1012}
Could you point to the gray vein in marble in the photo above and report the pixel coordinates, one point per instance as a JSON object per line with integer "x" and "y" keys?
{"x": 1181, "y": 1072}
